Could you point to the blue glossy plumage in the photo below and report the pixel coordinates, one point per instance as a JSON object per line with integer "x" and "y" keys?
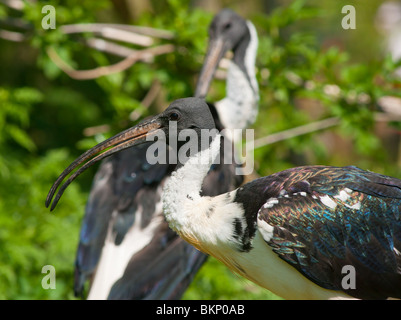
{"x": 328, "y": 217}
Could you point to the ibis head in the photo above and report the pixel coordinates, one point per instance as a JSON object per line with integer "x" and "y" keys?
{"x": 226, "y": 31}
{"x": 187, "y": 113}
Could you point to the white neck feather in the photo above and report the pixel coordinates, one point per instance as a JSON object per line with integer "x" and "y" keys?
{"x": 239, "y": 109}
{"x": 184, "y": 185}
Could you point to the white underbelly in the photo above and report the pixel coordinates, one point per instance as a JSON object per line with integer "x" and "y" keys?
{"x": 262, "y": 266}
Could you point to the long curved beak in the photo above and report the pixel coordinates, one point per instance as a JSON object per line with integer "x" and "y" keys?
{"x": 217, "y": 49}
{"x": 128, "y": 138}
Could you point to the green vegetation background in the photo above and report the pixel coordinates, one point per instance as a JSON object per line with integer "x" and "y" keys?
{"x": 303, "y": 53}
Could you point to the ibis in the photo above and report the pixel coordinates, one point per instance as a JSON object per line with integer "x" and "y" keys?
{"x": 293, "y": 232}
{"x": 126, "y": 249}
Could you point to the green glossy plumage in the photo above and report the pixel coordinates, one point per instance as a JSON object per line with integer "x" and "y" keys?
{"x": 326, "y": 218}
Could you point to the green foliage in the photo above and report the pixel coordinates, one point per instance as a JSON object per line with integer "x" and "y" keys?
{"x": 301, "y": 83}
{"x": 14, "y": 117}
{"x": 43, "y": 114}
{"x": 30, "y": 236}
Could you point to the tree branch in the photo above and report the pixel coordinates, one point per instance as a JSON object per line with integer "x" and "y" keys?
{"x": 14, "y": 4}
{"x": 114, "y": 68}
{"x": 109, "y": 47}
{"x": 313, "y": 127}
{"x": 113, "y": 33}
{"x": 106, "y": 27}
{"x": 295, "y": 132}
{"x": 12, "y": 36}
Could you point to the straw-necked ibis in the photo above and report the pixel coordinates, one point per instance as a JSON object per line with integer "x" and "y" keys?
{"x": 292, "y": 232}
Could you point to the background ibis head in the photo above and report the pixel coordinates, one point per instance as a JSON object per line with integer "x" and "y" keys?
{"x": 226, "y": 32}
{"x": 187, "y": 113}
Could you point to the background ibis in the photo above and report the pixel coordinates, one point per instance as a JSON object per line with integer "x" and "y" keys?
{"x": 126, "y": 247}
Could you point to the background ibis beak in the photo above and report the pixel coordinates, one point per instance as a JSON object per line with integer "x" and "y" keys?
{"x": 215, "y": 53}
{"x": 128, "y": 138}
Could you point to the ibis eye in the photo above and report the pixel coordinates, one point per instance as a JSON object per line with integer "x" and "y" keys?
{"x": 227, "y": 26}
{"x": 174, "y": 116}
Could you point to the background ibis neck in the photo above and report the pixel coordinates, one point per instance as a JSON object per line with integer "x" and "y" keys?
{"x": 239, "y": 111}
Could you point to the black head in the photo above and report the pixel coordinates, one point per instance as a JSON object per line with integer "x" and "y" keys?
{"x": 226, "y": 32}
{"x": 230, "y": 27}
{"x": 188, "y": 113}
